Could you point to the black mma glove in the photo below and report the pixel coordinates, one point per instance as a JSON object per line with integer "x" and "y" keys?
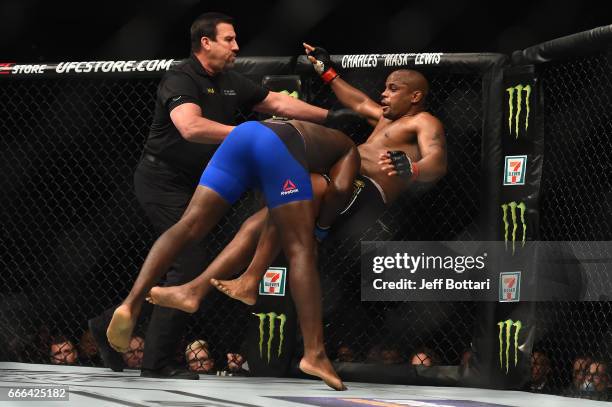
{"x": 403, "y": 165}
{"x": 323, "y": 65}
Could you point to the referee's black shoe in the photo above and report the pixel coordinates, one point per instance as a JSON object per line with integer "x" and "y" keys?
{"x": 111, "y": 358}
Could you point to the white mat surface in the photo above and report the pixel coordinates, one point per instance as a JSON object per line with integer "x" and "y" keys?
{"x": 93, "y": 387}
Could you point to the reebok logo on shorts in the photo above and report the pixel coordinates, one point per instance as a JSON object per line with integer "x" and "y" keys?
{"x": 289, "y": 188}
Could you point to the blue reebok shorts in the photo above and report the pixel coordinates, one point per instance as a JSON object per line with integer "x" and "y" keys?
{"x": 270, "y": 156}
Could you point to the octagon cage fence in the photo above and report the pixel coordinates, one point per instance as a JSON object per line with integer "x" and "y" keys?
{"x": 73, "y": 236}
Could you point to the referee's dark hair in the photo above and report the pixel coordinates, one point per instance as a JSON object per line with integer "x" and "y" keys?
{"x": 206, "y": 26}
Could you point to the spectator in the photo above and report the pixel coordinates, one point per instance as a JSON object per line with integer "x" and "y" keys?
{"x": 374, "y": 355}
{"x": 390, "y": 355}
{"x": 540, "y": 373}
{"x": 345, "y": 354}
{"x": 88, "y": 351}
{"x": 579, "y": 370}
{"x": 199, "y": 358}
{"x": 385, "y": 354}
{"x": 596, "y": 380}
{"x": 236, "y": 365}
{"x": 424, "y": 356}
{"x": 133, "y": 357}
{"x": 62, "y": 351}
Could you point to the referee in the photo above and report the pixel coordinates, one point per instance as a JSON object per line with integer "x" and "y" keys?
{"x": 194, "y": 111}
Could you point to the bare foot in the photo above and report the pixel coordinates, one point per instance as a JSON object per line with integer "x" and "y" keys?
{"x": 179, "y": 297}
{"x": 120, "y": 329}
{"x": 238, "y": 289}
{"x": 322, "y": 368}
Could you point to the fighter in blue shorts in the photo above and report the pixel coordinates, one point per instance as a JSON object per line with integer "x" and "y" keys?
{"x": 276, "y": 158}
{"x": 255, "y": 156}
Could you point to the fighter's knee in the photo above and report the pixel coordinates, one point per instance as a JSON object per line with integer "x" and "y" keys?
{"x": 343, "y": 186}
{"x": 298, "y": 239}
{"x": 299, "y": 248}
{"x": 196, "y": 227}
{"x": 339, "y": 189}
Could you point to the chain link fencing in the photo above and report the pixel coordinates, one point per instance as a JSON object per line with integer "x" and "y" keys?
{"x": 576, "y": 205}
{"x": 73, "y": 234}
{"x": 74, "y": 237}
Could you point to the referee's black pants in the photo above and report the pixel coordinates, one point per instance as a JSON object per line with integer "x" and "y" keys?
{"x": 164, "y": 193}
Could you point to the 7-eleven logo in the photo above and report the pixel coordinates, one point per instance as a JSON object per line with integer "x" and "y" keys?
{"x": 514, "y": 169}
{"x": 273, "y": 282}
{"x": 510, "y": 287}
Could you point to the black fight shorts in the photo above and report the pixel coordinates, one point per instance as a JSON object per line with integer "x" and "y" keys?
{"x": 362, "y": 214}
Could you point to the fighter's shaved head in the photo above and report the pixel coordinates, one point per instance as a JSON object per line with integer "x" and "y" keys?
{"x": 414, "y": 79}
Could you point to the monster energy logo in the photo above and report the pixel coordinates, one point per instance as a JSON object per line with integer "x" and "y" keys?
{"x": 515, "y": 114}
{"x": 505, "y": 336}
{"x": 271, "y": 317}
{"x": 513, "y": 206}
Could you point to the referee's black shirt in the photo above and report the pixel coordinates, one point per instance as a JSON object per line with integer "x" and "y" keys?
{"x": 218, "y": 96}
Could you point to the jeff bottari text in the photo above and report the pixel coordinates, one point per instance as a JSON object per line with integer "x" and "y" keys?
{"x": 413, "y": 264}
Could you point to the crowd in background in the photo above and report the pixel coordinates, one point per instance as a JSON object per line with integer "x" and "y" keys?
{"x": 590, "y": 376}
